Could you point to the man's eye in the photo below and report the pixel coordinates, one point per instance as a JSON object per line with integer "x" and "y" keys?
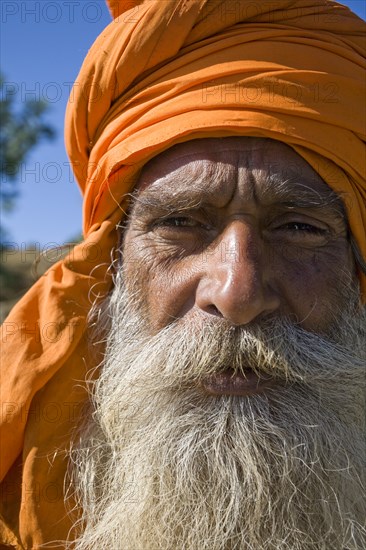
{"x": 178, "y": 221}
{"x": 301, "y": 227}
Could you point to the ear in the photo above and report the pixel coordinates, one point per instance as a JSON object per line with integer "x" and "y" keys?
{"x": 117, "y": 7}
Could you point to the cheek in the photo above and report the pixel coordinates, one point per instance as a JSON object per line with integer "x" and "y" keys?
{"x": 170, "y": 295}
{"x": 315, "y": 288}
{"x": 166, "y": 286}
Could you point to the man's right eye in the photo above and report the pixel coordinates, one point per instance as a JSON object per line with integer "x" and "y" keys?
{"x": 178, "y": 221}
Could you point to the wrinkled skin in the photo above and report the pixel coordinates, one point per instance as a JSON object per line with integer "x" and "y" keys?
{"x": 240, "y": 228}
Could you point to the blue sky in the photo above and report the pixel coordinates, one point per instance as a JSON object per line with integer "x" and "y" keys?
{"x": 43, "y": 44}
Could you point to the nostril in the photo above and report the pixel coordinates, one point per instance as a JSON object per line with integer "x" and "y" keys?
{"x": 213, "y": 310}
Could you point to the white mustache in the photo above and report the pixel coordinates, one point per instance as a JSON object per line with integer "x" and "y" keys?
{"x": 192, "y": 348}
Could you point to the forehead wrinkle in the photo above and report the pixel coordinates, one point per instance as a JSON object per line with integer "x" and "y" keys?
{"x": 205, "y": 181}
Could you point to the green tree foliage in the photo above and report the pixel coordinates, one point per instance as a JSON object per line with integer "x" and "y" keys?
{"x": 22, "y": 127}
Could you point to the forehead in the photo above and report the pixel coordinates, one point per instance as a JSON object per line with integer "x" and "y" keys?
{"x": 223, "y": 167}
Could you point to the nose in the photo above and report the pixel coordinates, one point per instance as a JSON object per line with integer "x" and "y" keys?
{"x": 236, "y": 280}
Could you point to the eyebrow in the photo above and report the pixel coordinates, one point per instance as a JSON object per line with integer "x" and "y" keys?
{"x": 166, "y": 197}
{"x": 293, "y": 193}
{"x": 290, "y": 193}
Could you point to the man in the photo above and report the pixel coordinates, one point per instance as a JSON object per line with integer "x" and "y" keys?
{"x": 227, "y": 371}
{"x": 222, "y": 416}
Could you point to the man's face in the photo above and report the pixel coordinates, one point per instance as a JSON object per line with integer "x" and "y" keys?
{"x": 239, "y": 228}
{"x": 228, "y": 413}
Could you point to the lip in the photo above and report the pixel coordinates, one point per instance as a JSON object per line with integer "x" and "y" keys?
{"x": 228, "y": 383}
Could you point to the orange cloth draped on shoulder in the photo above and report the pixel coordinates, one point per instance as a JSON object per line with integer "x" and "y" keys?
{"x": 164, "y": 72}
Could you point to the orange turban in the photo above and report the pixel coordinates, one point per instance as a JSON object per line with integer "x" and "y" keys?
{"x": 163, "y": 72}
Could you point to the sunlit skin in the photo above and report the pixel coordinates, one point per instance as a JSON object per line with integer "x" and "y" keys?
{"x": 240, "y": 228}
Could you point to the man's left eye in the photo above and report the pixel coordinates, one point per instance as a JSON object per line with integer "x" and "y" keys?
{"x": 299, "y": 227}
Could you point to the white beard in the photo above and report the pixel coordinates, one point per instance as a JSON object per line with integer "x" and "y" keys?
{"x": 159, "y": 465}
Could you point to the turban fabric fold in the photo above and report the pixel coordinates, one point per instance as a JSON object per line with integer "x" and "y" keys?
{"x": 164, "y": 72}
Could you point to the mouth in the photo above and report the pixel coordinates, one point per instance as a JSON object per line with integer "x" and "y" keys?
{"x": 243, "y": 384}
